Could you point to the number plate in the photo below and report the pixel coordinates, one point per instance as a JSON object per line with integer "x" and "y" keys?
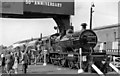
{"x": 70, "y": 55}
{"x": 84, "y": 58}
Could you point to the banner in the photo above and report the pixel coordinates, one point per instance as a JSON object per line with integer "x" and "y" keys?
{"x": 65, "y": 7}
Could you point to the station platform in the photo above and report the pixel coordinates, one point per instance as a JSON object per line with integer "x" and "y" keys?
{"x": 39, "y": 70}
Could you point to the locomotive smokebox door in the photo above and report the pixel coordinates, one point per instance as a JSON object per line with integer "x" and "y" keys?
{"x": 88, "y": 39}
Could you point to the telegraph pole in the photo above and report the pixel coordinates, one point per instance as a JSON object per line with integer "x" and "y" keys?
{"x": 91, "y": 11}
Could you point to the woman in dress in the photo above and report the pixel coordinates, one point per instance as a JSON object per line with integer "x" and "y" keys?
{"x": 9, "y": 62}
{"x": 15, "y": 66}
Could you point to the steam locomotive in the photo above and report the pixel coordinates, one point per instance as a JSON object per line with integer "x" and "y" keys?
{"x": 64, "y": 50}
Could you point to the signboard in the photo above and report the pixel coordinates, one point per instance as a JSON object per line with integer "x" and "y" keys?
{"x": 11, "y": 7}
{"x": 50, "y": 6}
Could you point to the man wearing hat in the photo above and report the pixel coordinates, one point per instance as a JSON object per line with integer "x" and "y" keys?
{"x": 83, "y": 26}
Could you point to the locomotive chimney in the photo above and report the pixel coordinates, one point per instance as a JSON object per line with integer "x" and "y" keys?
{"x": 84, "y": 26}
{"x": 72, "y": 28}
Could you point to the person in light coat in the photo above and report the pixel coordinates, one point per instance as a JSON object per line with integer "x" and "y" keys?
{"x": 24, "y": 60}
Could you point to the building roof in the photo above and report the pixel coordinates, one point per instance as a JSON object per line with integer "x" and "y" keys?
{"x": 106, "y": 27}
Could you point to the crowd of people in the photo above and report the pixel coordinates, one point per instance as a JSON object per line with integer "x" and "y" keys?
{"x": 12, "y": 59}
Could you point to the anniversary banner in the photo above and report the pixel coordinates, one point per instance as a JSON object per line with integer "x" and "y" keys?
{"x": 50, "y": 6}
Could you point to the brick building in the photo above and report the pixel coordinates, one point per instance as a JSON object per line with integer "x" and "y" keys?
{"x": 108, "y": 38}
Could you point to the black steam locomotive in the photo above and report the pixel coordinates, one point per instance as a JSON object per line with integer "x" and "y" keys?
{"x": 64, "y": 50}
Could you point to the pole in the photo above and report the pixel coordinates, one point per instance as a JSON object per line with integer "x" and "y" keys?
{"x": 41, "y": 36}
{"x": 91, "y": 11}
{"x": 80, "y": 70}
{"x": 91, "y": 17}
{"x": 44, "y": 64}
{"x": 114, "y": 58}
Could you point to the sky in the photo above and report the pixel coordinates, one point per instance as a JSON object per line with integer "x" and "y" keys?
{"x": 13, "y": 30}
